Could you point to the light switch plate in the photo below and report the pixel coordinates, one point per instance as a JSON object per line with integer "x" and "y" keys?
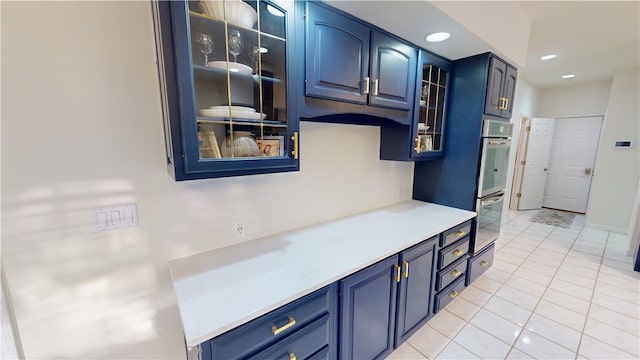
{"x": 114, "y": 217}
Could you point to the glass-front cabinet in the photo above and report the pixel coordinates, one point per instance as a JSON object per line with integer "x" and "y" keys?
{"x": 432, "y": 85}
{"x": 224, "y": 71}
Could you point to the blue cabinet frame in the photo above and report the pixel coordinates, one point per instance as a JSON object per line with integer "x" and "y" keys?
{"x": 398, "y": 142}
{"x": 178, "y": 97}
{"x": 416, "y": 289}
{"x": 353, "y": 72}
{"x": 368, "y": 311}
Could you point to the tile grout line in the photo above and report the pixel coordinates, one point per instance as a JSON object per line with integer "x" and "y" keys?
{"x": 524, "y": 326}
{"x": 593, "y": 291}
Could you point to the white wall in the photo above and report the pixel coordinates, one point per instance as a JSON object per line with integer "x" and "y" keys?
{"x": 615, "y": 178}
{"x": 616, "y": 171}
{"x": 574, "y": 100}
{"x": 82, "y": 128}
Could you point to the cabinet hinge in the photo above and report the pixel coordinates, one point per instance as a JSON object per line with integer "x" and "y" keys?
{"x": 528, "y": 128}
{"x": 523, "y": 162}
{"x": 518, "y": 195}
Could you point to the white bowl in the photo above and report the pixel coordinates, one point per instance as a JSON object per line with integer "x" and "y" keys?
{"x": 238, "y": 12}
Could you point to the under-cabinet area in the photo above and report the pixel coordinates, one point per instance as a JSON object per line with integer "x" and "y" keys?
{"x": 334, "y": 283}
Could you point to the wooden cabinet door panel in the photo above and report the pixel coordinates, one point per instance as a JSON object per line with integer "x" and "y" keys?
{"x": 414, "y": 299}
{"x": 393, "y": 72}
{"x": 497, "y": 72}
{"x": 509, "y": 90}
{"x": 368, "y": 309}
{"x": 337, "y": 56}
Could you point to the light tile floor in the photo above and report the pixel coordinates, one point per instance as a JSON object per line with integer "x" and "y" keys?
{"x": 552, "y": 293}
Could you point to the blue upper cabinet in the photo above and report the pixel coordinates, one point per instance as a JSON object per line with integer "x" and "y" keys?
{"x": 424, "y": 139}
{"x": 225, "y": 70}
{"x": 393, "y": 69}
{"x": 337, "y": 55}
{"x": 365, "y": 70}
{"x": 500, "y": 89}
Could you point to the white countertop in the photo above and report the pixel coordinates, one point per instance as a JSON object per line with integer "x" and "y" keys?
{"x": 221, "y": 289}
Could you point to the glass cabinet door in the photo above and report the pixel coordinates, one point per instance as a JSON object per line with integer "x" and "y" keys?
{"x": 239, "y": 76}
{"x": 429, "y": 130}
{"x": 230, "y": 113}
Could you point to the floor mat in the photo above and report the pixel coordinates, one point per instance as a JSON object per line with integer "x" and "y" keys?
{"x": 553, "y": 217}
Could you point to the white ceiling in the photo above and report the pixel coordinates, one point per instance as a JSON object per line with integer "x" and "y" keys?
{"x": 591, "y": 38}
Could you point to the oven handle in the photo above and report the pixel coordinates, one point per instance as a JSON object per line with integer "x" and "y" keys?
{"x": 492, "y": 200}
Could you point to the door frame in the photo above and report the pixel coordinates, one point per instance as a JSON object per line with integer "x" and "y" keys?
{"x": 521, "y": 154}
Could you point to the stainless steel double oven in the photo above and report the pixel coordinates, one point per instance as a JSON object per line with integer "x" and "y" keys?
{"x": 492, "y": 181}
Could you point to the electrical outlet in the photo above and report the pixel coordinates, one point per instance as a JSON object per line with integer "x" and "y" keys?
{"x": 239, "y": 229}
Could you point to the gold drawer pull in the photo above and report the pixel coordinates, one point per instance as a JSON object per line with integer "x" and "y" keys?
{"x": 456, "y": 273}
{"x": 397, "y": 277}
{"x": 292, "y": 356}
{"x": 295, "y": 145}
{"x": 461, "y": 233}
{"x": 406, "y": 269}
{"x": 366, "y": 85}
{"x": 484, "y": 263}
{"x": 458, "y": 252}
{"x": 453, "y": 294}
{"x": 278, "y": 330}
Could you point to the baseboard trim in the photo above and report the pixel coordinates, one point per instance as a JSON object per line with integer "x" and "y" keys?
{"x": 607, "y": 228}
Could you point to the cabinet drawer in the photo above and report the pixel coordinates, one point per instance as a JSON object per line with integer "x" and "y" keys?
{"x": 323, "y": 354}
{"x": 453, "y": 252}
{"x": 455, "y": 233}
{"x": 259, "y": 333}
{"x": 451, "y": 272}
{"x": 480, "y": 263}
{"x": 302, "y": 344}
{"x": 448, "y": 294}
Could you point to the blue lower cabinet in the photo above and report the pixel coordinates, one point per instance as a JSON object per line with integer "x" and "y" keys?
{"x": 384, "y": 304}
{"x": 368, "y": 311}
{"x": 480, "y": 263}
{"x": 414, "y": 296}
{"x": 448, "y": 294}
{"x": 303, "y": 344}
{"x": 303, "y": 327}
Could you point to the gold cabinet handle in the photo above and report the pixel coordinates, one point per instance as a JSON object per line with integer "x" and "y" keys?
{"x": 506, "y": 104}
{"x": 366, "y": 85}
{"x": 484, "y": 263}
{"x": 418, "y": 143}
{"x": 397, "y": 277}
{"x": 292, "y": 356}
{"x": 461, "y": 233}
{"x": 406, "y": 269}
{"x": 458, "y": 252}
{"x": 295, "y": 145}
{"x": 277, "y": 330}
{"x": 453, "y": 294}
{"x": 456, "y": 273}
{"x": 375, "y": 87}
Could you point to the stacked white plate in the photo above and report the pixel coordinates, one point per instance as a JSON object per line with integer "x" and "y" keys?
{"x": 233, "y": 67}
{"x": 237, "y": 112}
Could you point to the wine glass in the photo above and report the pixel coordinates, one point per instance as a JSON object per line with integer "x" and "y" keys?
{"x": 254, "y": 56}
{"x": 235, "y": 44}
{"x": 206, "y": 46}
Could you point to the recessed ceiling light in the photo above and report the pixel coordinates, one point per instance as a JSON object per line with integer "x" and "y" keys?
{"x": 568, "y": 76}
{"x": 439, "y": 36}
{"x": 549, "y": 57}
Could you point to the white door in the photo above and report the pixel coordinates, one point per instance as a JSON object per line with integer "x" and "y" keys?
{"x": 575, "y": 142}
{"x": 536, "y": 163}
